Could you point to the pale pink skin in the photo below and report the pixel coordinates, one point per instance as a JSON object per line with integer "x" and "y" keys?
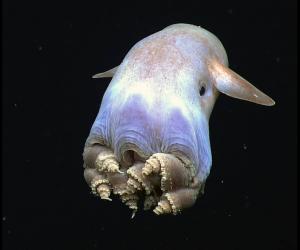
{"x": 151, "y": 134}
{"x": 153, "y": 100}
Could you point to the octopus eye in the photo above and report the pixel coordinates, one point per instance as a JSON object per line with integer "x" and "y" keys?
{"x": 202, "y": 90}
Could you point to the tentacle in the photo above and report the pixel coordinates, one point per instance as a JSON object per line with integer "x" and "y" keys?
{"x": 103, "y": 190}
{"x": 152, "y": 165}
{"x": 137, "y": 181}
{"x": 131, "y": 200}
{"x": 106, "y": 161}
{"x": 173, "y": 171}
{"x": 90, "y": 154}
{"x": 98, "y": 183}
{"x": 118, "y": 182}
{"x": 174, "y": 202}
{"x": 89, "y": 174}
{"x": 100, "y": 157}
{"x": 172, "y": 175}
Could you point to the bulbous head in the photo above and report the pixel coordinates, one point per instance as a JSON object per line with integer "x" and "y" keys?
{"x": 176, "y": 61}
{"x": 199, "y": 47}
{"x": 182, "y": 60}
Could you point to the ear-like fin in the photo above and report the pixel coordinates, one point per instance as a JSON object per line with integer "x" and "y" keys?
{"x": 108, "y": 73}
{"x": 231, "y": 84}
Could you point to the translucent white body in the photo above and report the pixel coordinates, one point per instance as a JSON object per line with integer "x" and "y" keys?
{"x": 153, "y": 103}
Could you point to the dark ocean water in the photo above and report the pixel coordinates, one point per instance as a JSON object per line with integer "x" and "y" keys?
{"x": 50, "y": 52}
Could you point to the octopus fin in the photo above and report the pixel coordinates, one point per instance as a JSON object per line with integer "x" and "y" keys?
{"x": 108, "y": 73}
{"x": 231, "y": 84}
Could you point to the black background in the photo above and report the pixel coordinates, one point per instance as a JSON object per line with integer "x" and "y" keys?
{"x": 50, "y": 52}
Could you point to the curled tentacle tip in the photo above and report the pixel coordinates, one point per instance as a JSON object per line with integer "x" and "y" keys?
{"x": 106, "y": 198}
{"x": 166, "y": 206}
{"x": 152, "y": 165}
{"x": 113, "y": 168}
{"x": 133, "y": 186}
{"x": 103, "y": 191}
{"x": 133, "y": 214}
{"x": 146, "y": 171}
{"x": 137, "y": 181}
{"x": 163, "y": 207}
{"x": 134, "y": 208}
{"x": 158, "y": 211}
{"x": 99, "y": 185}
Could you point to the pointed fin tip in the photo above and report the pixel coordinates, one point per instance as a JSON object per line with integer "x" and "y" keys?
{"x": 230, "y": 83}
{"x": 269, "y": 103}
{"x": 108, "y": 73}
{"x": 262, "y": 99}
{"x": 97, "y": 76}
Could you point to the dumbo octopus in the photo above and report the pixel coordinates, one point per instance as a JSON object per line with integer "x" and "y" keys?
{"x": 150, "y": 139}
